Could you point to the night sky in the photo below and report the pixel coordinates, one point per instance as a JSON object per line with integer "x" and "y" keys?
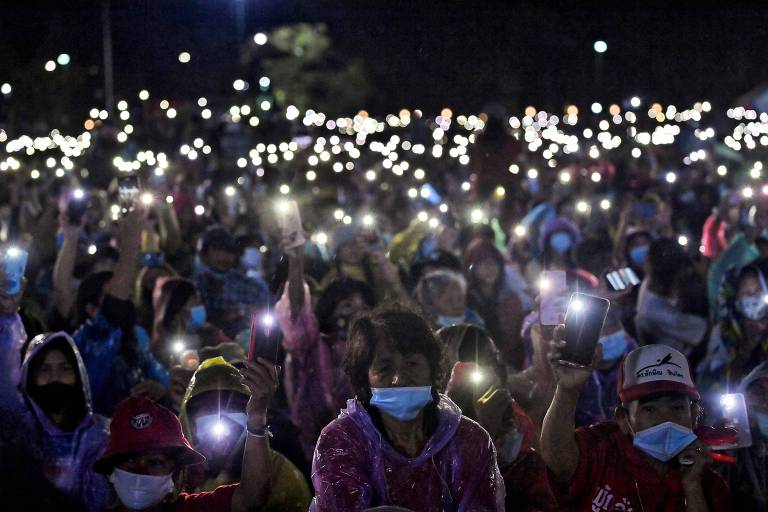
{"x": 421, "y": 54}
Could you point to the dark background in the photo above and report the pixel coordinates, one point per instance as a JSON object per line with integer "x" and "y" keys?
{"x": 418, "y": 54}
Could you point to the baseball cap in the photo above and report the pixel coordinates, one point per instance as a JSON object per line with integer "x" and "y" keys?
{"x": 654, "y": 369}
{"x": 140, "y": 425}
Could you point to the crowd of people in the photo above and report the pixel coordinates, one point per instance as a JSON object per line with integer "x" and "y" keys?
{"x": 406, "y": 364}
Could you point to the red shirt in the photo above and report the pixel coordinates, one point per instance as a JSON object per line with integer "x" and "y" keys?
{"x": 218, "y": 500}
{"x": 613, "y": 475}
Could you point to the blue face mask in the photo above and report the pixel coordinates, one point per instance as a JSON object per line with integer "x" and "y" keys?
{"x": 638, "y": 255}
{"x": 614, "y": 345}
{"x": 762, "y": 423}
{"x": 560, "y": 242}
{"x": 664, "y": 441}
{"x": 403, "y": 404}
{"x": 197, "y": 317}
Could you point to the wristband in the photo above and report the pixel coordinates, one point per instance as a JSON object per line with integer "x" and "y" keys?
{"x": 261, "y": 432}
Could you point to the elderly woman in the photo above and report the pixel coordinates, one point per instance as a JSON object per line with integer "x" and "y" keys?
{"x": 443, "y": 296}
{"x": 399, "y": 442}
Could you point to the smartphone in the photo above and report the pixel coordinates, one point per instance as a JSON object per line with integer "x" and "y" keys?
{"x": 731, "y": 417}
{"x": 265, "y": 341}
{"x": 14, "y": 265}
{"x": 289, "y": 220}
{"x": 621, "y": 279}
{"x": 584, "y": 321}
{"x": 553, "y": 293}
{"x": 77, "y": 205}
{"x": 127, "y": 191}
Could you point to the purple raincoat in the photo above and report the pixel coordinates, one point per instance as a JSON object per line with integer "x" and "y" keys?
{"x": 69, "y": 456}
{"x": 354, "y": 468}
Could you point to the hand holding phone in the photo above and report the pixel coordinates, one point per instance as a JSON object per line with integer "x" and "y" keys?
{"x": 584, "y": 321}
{"x": 289, "y": 221}
{"x": 264, "y": 338}
{"x": 77, "y": 205}
{"x": 553, "y": 290}
{"x": 127, "y": 192}
{"x": 14, "y": 264}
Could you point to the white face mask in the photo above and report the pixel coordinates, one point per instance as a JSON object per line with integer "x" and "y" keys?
{"x": 138, "y": 492}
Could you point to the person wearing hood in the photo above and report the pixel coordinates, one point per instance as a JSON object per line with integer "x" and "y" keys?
{"x": 442, "y": 294}
{"x": 500, "y": 295}
{"x": 478, "y": 385}
{"x": 649, "y": 458}
{"x": 12, "y": 339}
{"x": 56, "y": 392}
{"x": 148, "y": 451}
{"x": 114, "y": 348}
{"x": 399, "y": 442}
{"x": 739, "y": 341}
{"x": 213, "y": 418}
{"x": 748, "y": 478}
{"x": 315, "y": 342}
{"x": 557, "y": 238}
{"x": 225, "y": 290}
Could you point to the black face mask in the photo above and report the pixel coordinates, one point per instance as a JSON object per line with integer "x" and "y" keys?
{"x": 58, "y": 397}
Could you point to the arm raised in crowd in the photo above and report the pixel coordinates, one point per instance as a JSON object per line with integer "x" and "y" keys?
{"x": 63, "y": 289}
{"x": 170, "y": 232}
{"x": 296, "y": 281}
{"x": 124, "y": 278}
{"x": 558, "y": 440}
{"x": 261, "y": 379}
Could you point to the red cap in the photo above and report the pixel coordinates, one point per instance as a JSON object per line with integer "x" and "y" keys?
{"x": 140, "y": 426}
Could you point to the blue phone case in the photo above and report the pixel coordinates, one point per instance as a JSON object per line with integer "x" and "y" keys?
{"x": 13, "y": 268}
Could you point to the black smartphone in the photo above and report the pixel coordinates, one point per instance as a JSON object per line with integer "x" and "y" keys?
{"x": 265, "y": 339}
{"x": 77, "y": 206}
{"x": 583, "y": 323}
{"x": 621, "y": 279}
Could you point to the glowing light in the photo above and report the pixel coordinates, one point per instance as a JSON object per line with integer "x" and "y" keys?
{"x": 477, "y": 215}
{"x": 368, "y": 220}
{"x": 533, "y": 174}
{"x": 50, "y": 66}
{"x": 91, "y": 249}
{"x": 284, "y": 189}
{"x": 670, "y": 177}
{"x": 184, "y": 57}
{"x": 260, "y": 38}
{"x": 635, "y": 102}
{"x": 605, "y": 204}
{"x": 78, "y": 194}
{"x": 144, "y": 95}
{"x": 747, "y": 192}
{"x": 178, "y": 346}
{"x": 238, "y": 84}
{"x": 229, "y": 191}
{"x": 520, "y": 231}
{"x": 600, "y": 46}
{"x": 199, "y": 210}
{"x": 321, "y": 238}
{"x": 147, "y": 199}
{"x": 582, "y": 207}
{"x": 596, "y": 108}
{"x": 6, "y": 88}
{"x": 576, "y": 305}
{"x": 476, "y": 376}
{"x": 682, "y": 240}
{"x": 63, "y": 59}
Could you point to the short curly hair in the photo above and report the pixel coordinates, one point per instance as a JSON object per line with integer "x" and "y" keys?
{"x": 408, "y": 333}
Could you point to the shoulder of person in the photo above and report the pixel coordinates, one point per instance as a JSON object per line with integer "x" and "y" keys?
{"x": 470, "y": 431}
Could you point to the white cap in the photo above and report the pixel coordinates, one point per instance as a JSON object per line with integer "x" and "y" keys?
{"x": 654, "y": 369}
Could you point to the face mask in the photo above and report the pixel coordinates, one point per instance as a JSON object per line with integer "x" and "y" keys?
{"x": 56, "y": 396}
{"x": 403, "y": 404}
{"x": 197, "y": 317}
{"x": 560, "y": 242}
{"x": 138, "y": 492}
{"x": 614, "y": 345}
{"x": 428, "y": 246}
{"x": 664, "y": 441}
{"x": 638, "y": 255}
{"x": 753, "y": 307}
{"x": 251, "y": 258}
{"x": 510, "y": 448}
{"x": 220, "y": 433}
{"x": 153, "y": 259}
{"x": 445, "y": 320}
{"x": 762, "y": 423}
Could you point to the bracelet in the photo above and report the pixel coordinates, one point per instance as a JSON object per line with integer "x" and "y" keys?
{"x": 262, "y": 432}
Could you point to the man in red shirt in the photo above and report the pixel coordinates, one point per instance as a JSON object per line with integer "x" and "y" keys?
{"x": 147, "y": 449}
{"x": 648, "y": 459}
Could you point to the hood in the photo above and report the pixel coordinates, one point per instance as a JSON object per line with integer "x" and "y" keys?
{"x": 213, "y": 374}
{"x": 35, "y": 346}
{"x": 556, "y": 224}
{"x": 448, "y": 417}
{"x": 760, "y": 372}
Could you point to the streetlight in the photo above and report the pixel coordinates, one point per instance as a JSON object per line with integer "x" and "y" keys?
{"x": 600, "y": 46}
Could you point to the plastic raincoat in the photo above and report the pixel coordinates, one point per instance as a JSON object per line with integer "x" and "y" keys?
{"x": 69, "y": 456}
{"x": 354, "y": 468}
{"x": 315, "y": 383}
{"x": 99, "y": 341}
{"x": 748, "y": 478}
{"x": 289, "y": 490}
{"x": 12, "y": 338}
